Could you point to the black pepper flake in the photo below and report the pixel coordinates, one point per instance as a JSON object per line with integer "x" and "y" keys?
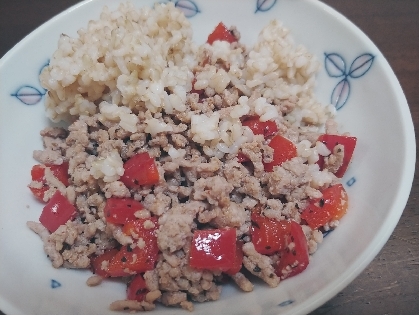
{"x": 271, "y": 275}
{"x": 129, "y": 249}
{"x": 296, "y": 206}
{"x": 268, "y": 247}
{"x": 124, "y": 259}
{"x": 321, "y": 202}
{"x": 126, "y": 308}
{"x": 257, "y": 269}
{"x": 255, "y": 224}
{"x": 66, "y": 246}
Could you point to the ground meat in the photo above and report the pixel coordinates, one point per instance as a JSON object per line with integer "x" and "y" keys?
{"x": 116, "y": 189}
{"x": 49, "y": 157}
{"x": 259, "y": 265}
{"x": 49, "y": 247}
{"x": 335, "y": 160}
{"x": 131, "y": 305}
{"x": 242, "y": 282}
{"x": 215, "y": 190}
{"x": 94, "y": 281}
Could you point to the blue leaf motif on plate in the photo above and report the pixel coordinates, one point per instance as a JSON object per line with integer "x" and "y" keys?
{"x": 326, "y": 233}
{"x": 188, "y": 7}
{"x": 335, "y": 65}
{"x": 340, "y": 93}
{"x": 264, "y": 5}
{"x": 351, "y": 181}
{"x": 361, "y": 65}
{"x": 28, "y": 95}
{"x": 45, "y": 65}
{"x": 55, "y": 284}
{"x": 285, "y": 303}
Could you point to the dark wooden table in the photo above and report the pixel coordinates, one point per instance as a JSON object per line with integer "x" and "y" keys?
{"x": 390, "y": 284}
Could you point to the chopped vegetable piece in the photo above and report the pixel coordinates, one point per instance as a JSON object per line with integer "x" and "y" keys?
{"x": 137, "y": 289}
{"x": 38, "y": 175}
{"x": 348, "y": 144}
{"x": 200, "y": 92}
{"x": 140, "y": 170}
{"x": 100, "y": 263}
{"x": 332, "y": 206}
{"x": 57, "y": 212}
{"x": 142, "y": 257}
{"x": 241, "y": 158}
{"x": 295, "y": 258}
{"x": 238, "y": 262}
{"x": 265, "y": 128}
{"x": 135, "y": 260}
{"x": 269, "y": 235}
{"x": 284, "y": 150}
{"x": 221, "y": 33}
{"x": 121, "y": 210}
{"x": 142, "y": 228}
{"x": 213, "y": 249}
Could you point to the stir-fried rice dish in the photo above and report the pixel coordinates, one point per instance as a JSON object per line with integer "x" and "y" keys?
{"x": 184, "y": 166}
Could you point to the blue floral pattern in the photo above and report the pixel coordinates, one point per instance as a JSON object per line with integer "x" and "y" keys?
{"x": 264, "y": 5}
{"x": 335, "y": 66}
{"x": 188, "y": 7}
{"x": 55, "y": 284}
{"x": 28, "y": 95}
{"x": 285, "y": 303}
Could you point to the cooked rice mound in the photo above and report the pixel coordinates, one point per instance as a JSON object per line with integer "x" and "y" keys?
{"x": 134, "y": 81}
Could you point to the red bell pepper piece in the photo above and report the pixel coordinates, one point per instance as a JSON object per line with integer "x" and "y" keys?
{"x": 213, "y": 249}
{"x": 295, "y": 258}
{"x": 137, "y": 289}
{"x": 331, "y": 141}
{"x": 100, "y": 263}
{"x": 121, "y": 210}
{"x": 38, "y": 175}
{"x": 140, "y": 169}
{"x": 331, "y": 206}
{"x": 265, "y": 128}
{"x": 284, "y": 150}
{"x": 57, "y": 212}
{"x": 269, "y": 235}
{"x": 221, "y": 33}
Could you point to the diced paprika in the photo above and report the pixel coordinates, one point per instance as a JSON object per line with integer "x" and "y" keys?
{"x": 57, "y": 212}
{"x": 331, "y": 206}
{"x": 284, "y": 150}
{"x": 348, "y": 144}
{"x": 140, "y": 169}
{"x": 295, "y": 257}
{"x": 121, "y": 210}
{"x": 213, "y": 249}
{"x": 221, "y": 33}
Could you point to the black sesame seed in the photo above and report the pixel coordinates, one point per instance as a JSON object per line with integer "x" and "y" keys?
{"x": 257, "y": 269}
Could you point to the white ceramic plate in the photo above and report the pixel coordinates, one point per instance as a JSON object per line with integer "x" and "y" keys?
{"x": 372, "y": 107}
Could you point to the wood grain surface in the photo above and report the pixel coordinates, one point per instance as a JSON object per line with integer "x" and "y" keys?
{"x": 390, "y": 284}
